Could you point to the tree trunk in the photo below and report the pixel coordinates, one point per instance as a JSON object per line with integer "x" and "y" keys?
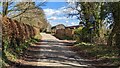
{"x": 110, "y": 39}
{"x": 118, "y": 42}
{"x": 116, "y": 28}
{"x": 5, "y": 8}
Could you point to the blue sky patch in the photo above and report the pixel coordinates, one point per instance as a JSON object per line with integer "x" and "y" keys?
{"x": 56, "y": 13}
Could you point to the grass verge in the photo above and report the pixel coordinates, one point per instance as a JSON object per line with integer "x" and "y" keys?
{"x": 109, "y": 54}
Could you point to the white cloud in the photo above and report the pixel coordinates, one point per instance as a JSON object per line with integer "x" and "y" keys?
{"x": 57, "y": 18}
{"x": 69, "y": 10}
{"x": 60, "y": 11}
{"x": 51, "y": 12}
{"x": 52, "y": 18}
{"x": 73, "y": 23}
{"x": 61, "y": 18}
{"x": 71, "y": 2}
{"x": 67, "y": 21}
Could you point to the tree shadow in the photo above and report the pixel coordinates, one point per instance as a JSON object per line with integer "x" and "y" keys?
{"x": 57, "y": 52}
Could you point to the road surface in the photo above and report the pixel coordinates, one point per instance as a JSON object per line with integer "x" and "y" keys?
{"x": 52, "y": 53}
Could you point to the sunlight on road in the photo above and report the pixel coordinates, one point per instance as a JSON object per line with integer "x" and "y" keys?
{"x": 48, "y": 37}
{"x": 52, "y": 52}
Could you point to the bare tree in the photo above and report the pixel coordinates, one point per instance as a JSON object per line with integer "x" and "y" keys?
{"x": 9, "y": 7}
{"x": 27, "y": 12}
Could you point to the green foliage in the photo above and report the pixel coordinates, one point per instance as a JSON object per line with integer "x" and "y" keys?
{"x": 92, "y": 15}
{"x": 18, "y": 49}
{"x": 67, "y": 38}
{"x": 14, "y": 53}
{"x": 85, "y": 45}
{"x": 34, "y": 40}
{"x": 114, "y": 35}
{"x": 10, "y": 55}
{"x": 78, "y": 31}
{"x": 6, "y": 44}
{"x": 84, "y": 34}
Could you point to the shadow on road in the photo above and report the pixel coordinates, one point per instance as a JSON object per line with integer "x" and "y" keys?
{"x": 53, "y": 51}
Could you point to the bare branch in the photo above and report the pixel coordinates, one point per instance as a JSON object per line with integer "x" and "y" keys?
{"x": 20, "y": 13}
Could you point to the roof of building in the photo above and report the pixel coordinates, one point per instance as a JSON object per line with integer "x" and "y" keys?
{"x": 72, "y": 27}
{"x": 58, "y": 25}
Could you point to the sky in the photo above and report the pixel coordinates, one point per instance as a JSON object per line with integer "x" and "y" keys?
{"x": 56, "y": 13}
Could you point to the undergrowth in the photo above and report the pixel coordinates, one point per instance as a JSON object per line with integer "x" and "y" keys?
{"x": 15, "y": 52}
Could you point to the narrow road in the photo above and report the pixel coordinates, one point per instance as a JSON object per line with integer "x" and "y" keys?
{"x": 52, "y": 53}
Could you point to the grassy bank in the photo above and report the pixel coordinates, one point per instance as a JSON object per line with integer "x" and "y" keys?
{"x": 109, "y": 54}
{"x": 12, "y": 54}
